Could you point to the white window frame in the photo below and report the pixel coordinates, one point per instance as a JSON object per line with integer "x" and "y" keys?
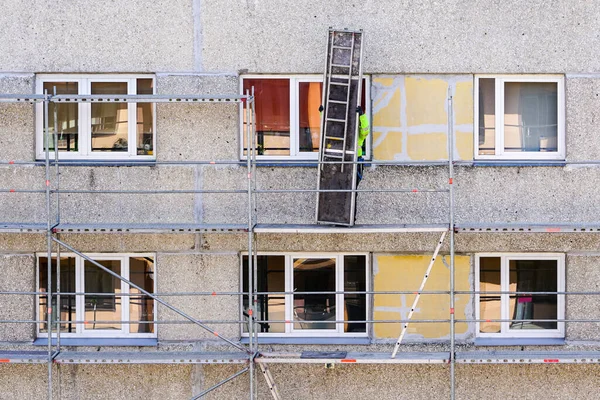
{"x": 505, "y": 331}
{"x": 289, "y": 298}
{"x": 499, "y": 118}
{"x": 84, "y": 121}
{"x": 80, "y": 331}
{"x": 295, "y": 153}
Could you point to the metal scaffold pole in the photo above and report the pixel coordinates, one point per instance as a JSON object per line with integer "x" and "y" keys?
{"x": 452, "y": 264}
{"x": 48, "y": 243}
{"x": 249, "y": 155}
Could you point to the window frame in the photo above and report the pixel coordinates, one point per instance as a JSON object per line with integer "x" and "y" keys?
{"x": 295, "y": 80}
{"x": 85, "y": 117}
{"x": 500, "y": 154}
{"x": 505, "y": 331}
{"x": 80, "y": 331}
{"x": 290, "y": 332}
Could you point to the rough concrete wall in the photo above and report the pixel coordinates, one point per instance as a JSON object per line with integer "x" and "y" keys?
{"x": 17, "y": 136}
{"x": 88, "y": 36}
{"x": 199, "y": 273}
{"x": 303, "y": 381}
{"x": 408, "y": 36}
{"x": 583, "y": 118}
{"x": 582, "y": 276}
{"x": 410, "y": 117}
{"x": 79, "y": 382}
{"x": 18, "y": 274}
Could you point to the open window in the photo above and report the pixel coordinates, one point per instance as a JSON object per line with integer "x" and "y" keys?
{"x": 519, "y": 118}
{"x": 531, "y": 306}
{"x": 288, "y": 121}
{"x": 96, "y": 303}
{"x": 97, "y": 130}
{"x": 314, "y": 308}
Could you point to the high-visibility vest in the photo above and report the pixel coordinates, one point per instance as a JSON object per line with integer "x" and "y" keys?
{"x": 363, "y": 132}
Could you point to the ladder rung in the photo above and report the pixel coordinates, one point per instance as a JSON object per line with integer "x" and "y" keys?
{"x": 340, "y": 65}
{"x": 333, "y": 138}
{"x": 333, "y": 156}
{"x": 336, "y": 120}
{"x": 339, "y": 151}
{"x": 341, "y": 47}
{"x": 338, "y": 101}
{"x": 339, "y": 83}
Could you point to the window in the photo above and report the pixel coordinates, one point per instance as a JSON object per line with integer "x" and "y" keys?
{"x": 531, "y": 314}
{"x": 105, "y": 305}
{"x": 288, "y": 121}
{"x": 309, "y": 314}
{"x": 98, "y": 130}
{"x": 519, "y": 118}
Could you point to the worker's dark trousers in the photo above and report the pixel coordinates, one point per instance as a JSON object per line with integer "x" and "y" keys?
{"x": 359, "y": 175}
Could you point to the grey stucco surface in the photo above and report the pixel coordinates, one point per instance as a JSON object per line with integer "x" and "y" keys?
{"x": 406, "y": 36}
{"x": 87, "y": 36}
{"x": 17, "y": 134}
{"x": 18, "y": 275}
{"x": 196, "y": 273}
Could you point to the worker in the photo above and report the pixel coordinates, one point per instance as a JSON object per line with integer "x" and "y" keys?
{"x": 363, "y": 132}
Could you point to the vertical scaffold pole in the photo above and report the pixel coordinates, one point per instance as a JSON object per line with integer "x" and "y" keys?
{"x": 48, "y": 244}
{"x": 252, "y": 126}
{"x": 250, "y": 145}
{"x": 56, "y": 199}
{"x": 452, "y": 266}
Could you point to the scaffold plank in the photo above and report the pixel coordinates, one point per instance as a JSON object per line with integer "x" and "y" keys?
{"x": 528, "y": 357}
{"x": 371, "y": 228}
{"x": 148, "y": 98}
{"x": 8, "y": 227}
{"x": 359, "y": 358}
{"x": 23, "y": 357}
{"x": 151, "y": 357}
{"x": 528, "y": 228}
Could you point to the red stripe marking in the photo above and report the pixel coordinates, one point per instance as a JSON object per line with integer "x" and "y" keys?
{"x": 348, "y": 360}
{"x": 452, "y": 311}
{"x": 12, "y": 190}
{"x": 213, "y": 293}
{"x": 212, "y": 162}
{"x": 243, "y": 100}
{"x": 47, "y": 183}
{"x": 552, "y": 229}
{"x": 4, "y": 360}
{"x": 49, "y": 310}
{"x": 551, "y": 360}
{"x": 415, "y": 190}
{"x": 249, "y": 312}
{"x": 216, "y": 334}
{"x": 450, "y": 181}
{"x": 11, "y": 162}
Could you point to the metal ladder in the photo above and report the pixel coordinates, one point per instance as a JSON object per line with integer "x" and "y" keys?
{"x": 330, "y": 144}
{"x": 270, "y": 382}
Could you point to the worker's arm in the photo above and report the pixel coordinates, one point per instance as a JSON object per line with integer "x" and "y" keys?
{"x": 363, "y": 126}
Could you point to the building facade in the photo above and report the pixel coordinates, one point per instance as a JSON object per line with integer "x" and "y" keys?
{"x": 162, "y": 194}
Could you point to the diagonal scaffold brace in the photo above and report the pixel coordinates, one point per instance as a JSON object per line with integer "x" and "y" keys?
{"x": 418, "y": 296}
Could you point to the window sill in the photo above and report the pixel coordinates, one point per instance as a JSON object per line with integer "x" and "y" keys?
{"x": 310, "y": 340}
{"x": 103, "y": 163}
{"x": 519, "y": 342}
{"x": 519, "y": 163}
{"x": 136, "y": 342}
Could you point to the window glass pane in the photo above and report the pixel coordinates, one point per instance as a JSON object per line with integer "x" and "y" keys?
{"x": 312, "y": 311}
{"x": 487, "y": 116}
{"x": 272, "y": 105}
{"x": 355, "y": 305}
{"x": 102, "y": 305}
{"x": 110, "y": 121}
{"x": 141, "y": 307}
{"x": 533, "y": 276}
{"x": 270, "y": 277}
{"x": 309, "y": 129}
{"x": 145, "y": 119}
{"x": 490, "y": 305}
{"x": 67, "y": 117}
{"x": 67, "y": 284}
{"x": 530, "y": 116}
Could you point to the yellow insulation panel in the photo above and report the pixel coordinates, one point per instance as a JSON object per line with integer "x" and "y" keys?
{"x": 410, "y": 114}
{"x": 405, "y": 273}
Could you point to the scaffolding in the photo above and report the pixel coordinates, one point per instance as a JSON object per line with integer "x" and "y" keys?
{"x": 250, "y": 355}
